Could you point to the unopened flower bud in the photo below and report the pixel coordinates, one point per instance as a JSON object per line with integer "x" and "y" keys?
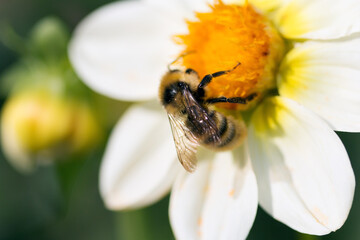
{"x": 38, "y": 127}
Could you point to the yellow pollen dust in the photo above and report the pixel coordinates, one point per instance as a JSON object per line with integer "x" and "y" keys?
{"x": 226, "y": 36}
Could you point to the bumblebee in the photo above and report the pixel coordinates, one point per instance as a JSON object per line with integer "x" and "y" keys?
{"x": 192, "y": 117}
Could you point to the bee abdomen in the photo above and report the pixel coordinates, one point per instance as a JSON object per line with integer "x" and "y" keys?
{"x": 230, "y": 131}
{"x": 222, "y": 125}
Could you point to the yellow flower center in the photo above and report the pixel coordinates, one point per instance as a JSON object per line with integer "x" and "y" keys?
{"x": 226, "y": 36}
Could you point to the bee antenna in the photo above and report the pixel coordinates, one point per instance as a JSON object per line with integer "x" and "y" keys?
{"x": 178, "y": 58}
{"x": 239, "y": 63}
{"x": 207, "y": 79}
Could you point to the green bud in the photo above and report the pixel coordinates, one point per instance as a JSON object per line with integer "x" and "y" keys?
{"x": 48, "y": 39}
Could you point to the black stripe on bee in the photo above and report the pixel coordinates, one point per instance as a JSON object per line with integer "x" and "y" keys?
{"x": 223, "y": 126}
{"x": 231, "y": 135}
{"x": 222, "y": 130}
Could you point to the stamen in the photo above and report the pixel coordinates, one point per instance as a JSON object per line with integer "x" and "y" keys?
{"x": 228, "y": 35}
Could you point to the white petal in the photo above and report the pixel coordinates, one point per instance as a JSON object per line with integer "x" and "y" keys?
{"x": 218, "y": 201}
{"x": 325, "y": 77}
{"x": 122, "y": 50}
{"x": 264, "y": 5}
{"x": 318, "y": 19}
{"x": 304, "y": 174}
{"x": 198, "y": 5}
{"x": 188, "y": 7}
{"x": 140, "y": 162}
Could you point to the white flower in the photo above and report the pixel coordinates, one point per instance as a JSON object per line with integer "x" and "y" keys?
{"x": 293, "y": 163}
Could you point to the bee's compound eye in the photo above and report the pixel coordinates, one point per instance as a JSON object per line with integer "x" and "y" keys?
{"x": 169, "y": 94}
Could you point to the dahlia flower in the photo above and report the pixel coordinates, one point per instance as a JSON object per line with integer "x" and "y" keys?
{"x": 301, "y": 58}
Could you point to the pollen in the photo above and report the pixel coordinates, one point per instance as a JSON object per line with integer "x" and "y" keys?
{"x": 227, "y": 35}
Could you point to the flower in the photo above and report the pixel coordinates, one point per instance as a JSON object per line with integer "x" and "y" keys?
{"x": 49, "y": 114}
{"x": 292, "y": 164}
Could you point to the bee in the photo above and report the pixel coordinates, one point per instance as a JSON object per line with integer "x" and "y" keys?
{"x": 193, "y": 120}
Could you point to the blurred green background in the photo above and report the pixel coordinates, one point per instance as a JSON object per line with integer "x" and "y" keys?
{"x": 63, "y": 202}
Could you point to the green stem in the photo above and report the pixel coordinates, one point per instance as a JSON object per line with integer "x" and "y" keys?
{"x": 301, "y": 236}
{"x": 133, "y": 225}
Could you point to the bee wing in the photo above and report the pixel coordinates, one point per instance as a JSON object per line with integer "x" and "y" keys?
{"x": 185, "y": 142}
{"x": 200, "y": 118}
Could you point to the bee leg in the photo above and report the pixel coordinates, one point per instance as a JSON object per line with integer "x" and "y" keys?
{"x": 207, "y": 79}
{"x": 216, "y": 100}
{"x": 242, "y": 100}
{"x": 239, "y": 100}
{"x": 193, "y": 77}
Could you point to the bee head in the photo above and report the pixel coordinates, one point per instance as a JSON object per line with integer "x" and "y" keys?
{"x": 172, "y": 92}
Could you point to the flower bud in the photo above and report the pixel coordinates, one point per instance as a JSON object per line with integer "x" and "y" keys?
{"x": 39, "y": 127}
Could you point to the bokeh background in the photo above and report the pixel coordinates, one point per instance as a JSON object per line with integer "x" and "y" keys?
{"x": 62, "y": 201}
